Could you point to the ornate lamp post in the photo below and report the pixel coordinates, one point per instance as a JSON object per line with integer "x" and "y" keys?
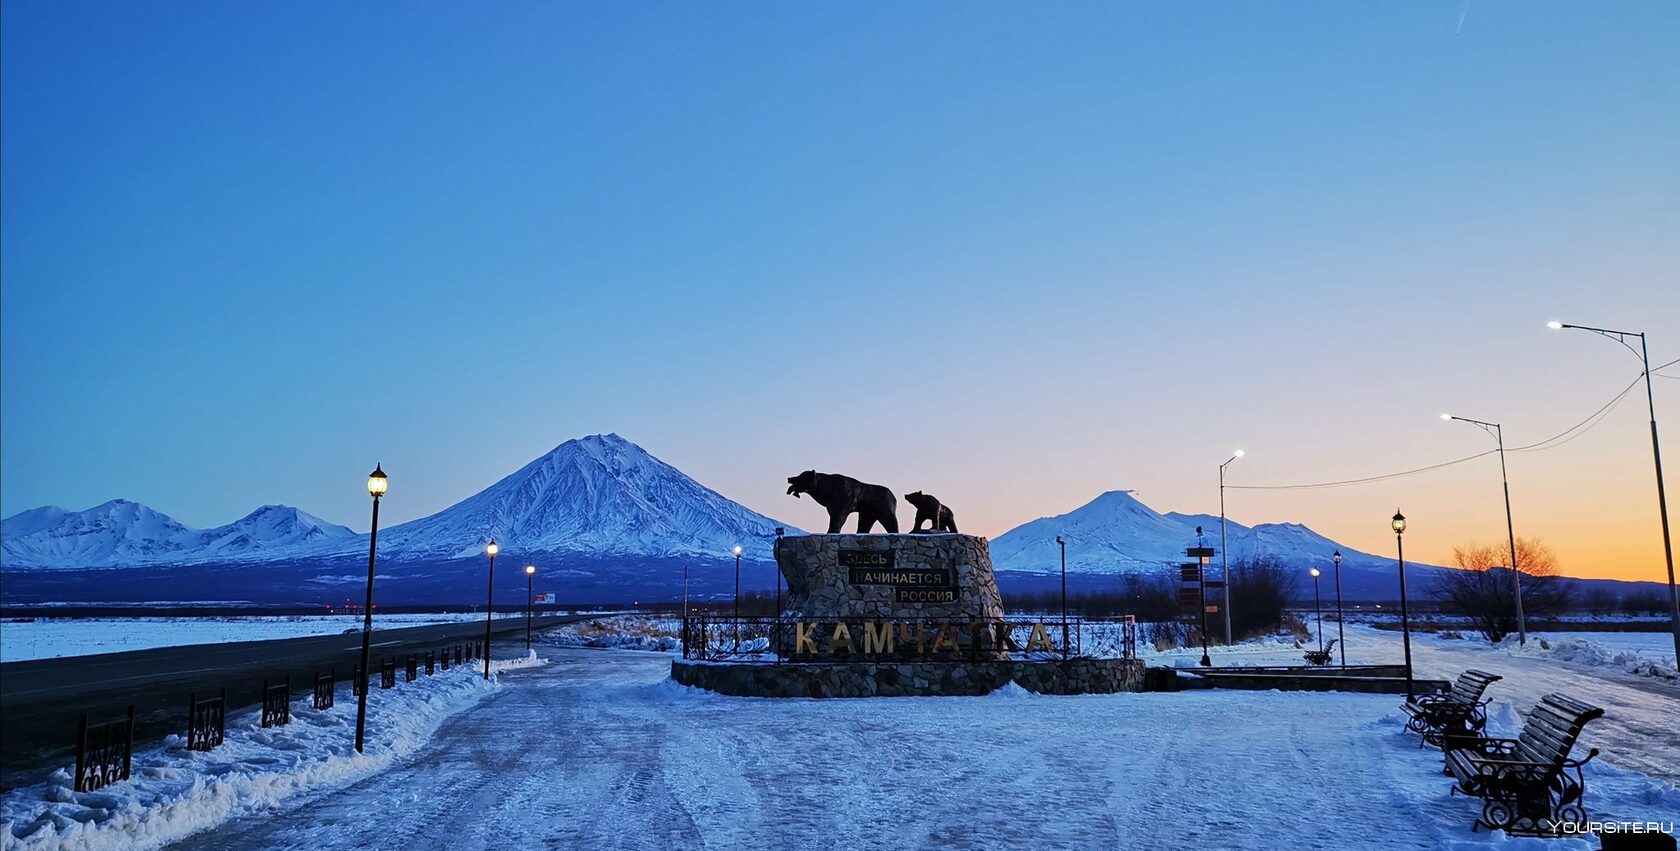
{"x": 1341, "y": 636}
{"x": 1224, "y": 562}
{"x": 530, "y": 572}
{"x": 1656, "y": 458}
{"x": 1399, "y": 526}
{"x": 1510, "y": 530}
{"x": 489, "y": 602}
{"x": 376, "y": 485}
{"x": 1318, "y": 610}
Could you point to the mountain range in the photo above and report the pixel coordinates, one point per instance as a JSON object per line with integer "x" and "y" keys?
{"x": 603, "y": 518}
{"x": 600, "y": 495}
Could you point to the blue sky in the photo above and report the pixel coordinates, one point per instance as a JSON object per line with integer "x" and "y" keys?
{"x": 1012, "y": 254}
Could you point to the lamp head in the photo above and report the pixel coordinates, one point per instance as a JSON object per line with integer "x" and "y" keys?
{"x": 1446, "y": 417}
{"x": 377, "y": 482}
{"x": 1554, "y": 325}
{"x": 737, "y": 549}
{"x": 1399, "y": 523}
{"x": 530, "y": 569}
{"x": 491, "y": 549}
{"x": 1238, "y": 454}
{"x": 1315, "y": 573}
{"x": 1061, "y": 541}
{"x": 1336, "y": 556}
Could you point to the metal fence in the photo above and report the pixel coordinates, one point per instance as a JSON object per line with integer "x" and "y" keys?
{"x": 206, "y": 721}
{"x": 104, "y": 752}
{"x": 777, "y": 640}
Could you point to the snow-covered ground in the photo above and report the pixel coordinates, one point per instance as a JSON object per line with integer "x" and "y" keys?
{"x": 48, "y": 638}
{"x": 601, "y": 750}
{"x": 174, "y": 793}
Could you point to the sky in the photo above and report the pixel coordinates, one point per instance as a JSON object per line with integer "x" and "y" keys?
{"x": 1013, "y": 255}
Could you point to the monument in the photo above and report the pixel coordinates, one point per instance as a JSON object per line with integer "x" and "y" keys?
{"x": 891, "y": 613}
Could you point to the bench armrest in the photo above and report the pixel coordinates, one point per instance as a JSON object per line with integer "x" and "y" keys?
{"x": 1577, "y": 763}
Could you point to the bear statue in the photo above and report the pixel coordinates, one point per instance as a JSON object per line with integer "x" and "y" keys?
{"x": 930, "y": 509}
{"x": 842, "y": 495}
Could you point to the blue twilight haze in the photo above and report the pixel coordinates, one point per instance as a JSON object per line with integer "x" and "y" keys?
{"x": 1012, "y": 254}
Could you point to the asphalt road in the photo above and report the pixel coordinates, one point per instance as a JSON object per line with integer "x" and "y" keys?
{"x": 41, "y": 700}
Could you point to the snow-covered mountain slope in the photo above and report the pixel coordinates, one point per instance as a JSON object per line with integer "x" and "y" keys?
{"x": 1115, "y": 533}
{"x": 120, "y": 533}
{"x": 116, "y": 532}
{"x": 272, "y": 529}
{"x": 600, "y": 495}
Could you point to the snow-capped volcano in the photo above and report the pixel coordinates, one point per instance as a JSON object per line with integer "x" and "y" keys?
{"x": 600, "y": 495}
{"x": 121, "y": 533}
{"x": 1115, "y": 533}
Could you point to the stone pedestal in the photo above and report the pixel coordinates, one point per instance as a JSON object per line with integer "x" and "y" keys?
{"x": 900, "y": 577}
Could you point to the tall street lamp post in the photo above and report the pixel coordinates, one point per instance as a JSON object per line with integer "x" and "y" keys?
{"x": 1656, "y": 458}
{"x": 1318, "y": 610}
{"x": 1224, "y": 561}
{"x": 1510, "y": 530}
{"x": 778, "y": 554}
{"x": 1341, "y": 637}
{"x": 489, "y": 603}
{"x": 737, "y": 552}
{"x": 376, "y": 485}
{"x": 1399, "y": 526}
{"x": 530, "y": 572}
{"x": 737, "y": 596}
{"x": 1061, "y": 543}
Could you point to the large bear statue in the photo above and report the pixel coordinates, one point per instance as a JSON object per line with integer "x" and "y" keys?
{"x": 930, "y": 510}
{"x": 842, "y": 495}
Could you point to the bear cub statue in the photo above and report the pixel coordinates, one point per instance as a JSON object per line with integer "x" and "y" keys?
{"x": 930, "y": 509}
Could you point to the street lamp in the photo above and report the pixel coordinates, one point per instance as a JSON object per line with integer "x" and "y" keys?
{"x": 1510, "y": 530}
{"x": 530, "y": 573}
{"x": 779, "y": 532}
{"x": 1061, "y": 542}
{"x": 1318, "y": 610}
{"x": 376, "y": 485}
{"x": 1224, "y": 561}
{"x": 1399, "y": 526}
{"x": 737, "y": 552}
{"x": 489, "y": 603}
{"x": 1656, "y": 458}
{"x": 1341, "y": 636}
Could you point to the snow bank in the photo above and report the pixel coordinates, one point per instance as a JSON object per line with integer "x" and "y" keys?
{"x": 623, "y": 632}
{"x": 174, "y": 793}
{"x": 1593, "y": 654}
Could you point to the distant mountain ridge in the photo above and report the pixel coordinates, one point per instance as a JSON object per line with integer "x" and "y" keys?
{"x": 600, "y": 495}
{"x": 1116, "y": 533}
{"x": 121, "y": 533}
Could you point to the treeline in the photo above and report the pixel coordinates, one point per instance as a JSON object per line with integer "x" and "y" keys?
{"x": 1264, "y": 586}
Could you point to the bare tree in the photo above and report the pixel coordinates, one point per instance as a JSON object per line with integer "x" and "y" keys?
{"x": 1479, "y": 586}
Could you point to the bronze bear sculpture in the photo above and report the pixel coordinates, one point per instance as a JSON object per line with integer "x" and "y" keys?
{"x": 842, "y": 495}
{"x": 931, "y": 510}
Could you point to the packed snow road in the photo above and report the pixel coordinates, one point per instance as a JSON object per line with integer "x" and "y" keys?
{"x": 601, "y": 750}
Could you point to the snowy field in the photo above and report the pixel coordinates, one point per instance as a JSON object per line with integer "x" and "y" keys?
{"x": 48, "y": 638}
{"x": 601, "y": 750}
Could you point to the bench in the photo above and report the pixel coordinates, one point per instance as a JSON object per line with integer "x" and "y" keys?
{"x": 1321, "y": 657}
{"x": 1461, "y": 711}
{"x": 1528, "y": 785}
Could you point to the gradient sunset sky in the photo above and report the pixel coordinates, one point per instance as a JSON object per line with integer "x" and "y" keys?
{"x": 1011, "y": 254}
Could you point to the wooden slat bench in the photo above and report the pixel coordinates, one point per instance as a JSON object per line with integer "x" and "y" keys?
{"x": 1528, "y": 785}
{"x": 1321, "y": 657}
{"x": 1459, "y": 712}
